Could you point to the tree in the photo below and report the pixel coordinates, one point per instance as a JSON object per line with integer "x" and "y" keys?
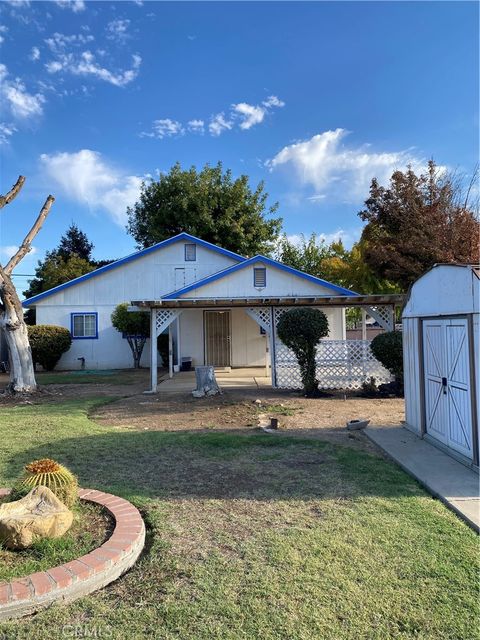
{"x": 334, "y": 263}
{"x": 136, "y": 327}
{"x": 209, "y": 204}
{"x": 75, "y": 243}
{"x": 388, "y": 349}
{"x": 417, "y": 221}
{"x": 301, "y": 330}
{"x": 12, "y": 324}
{"x": 71, "y": 259}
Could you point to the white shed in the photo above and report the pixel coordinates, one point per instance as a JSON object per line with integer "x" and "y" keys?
{"x": 441, "y": 347}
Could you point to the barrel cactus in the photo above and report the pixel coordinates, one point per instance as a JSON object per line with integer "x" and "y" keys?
{"x": 51, "y": 474}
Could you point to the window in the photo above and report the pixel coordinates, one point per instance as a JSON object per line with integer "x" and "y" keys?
{"x": 190, "y": 252}
{"x": 259, "y": 277}
{"x": 84, "y": 325}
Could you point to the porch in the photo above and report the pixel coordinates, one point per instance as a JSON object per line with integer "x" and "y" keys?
{"x": 216, "y": 330}
{"x": 250, "y": 378}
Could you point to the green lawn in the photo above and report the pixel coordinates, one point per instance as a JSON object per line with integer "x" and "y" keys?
{"x": 255, "y": 537}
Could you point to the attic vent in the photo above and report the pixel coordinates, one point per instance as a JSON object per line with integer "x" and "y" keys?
{"x": 190, "y": 252}
{"x": 259, "y": 277}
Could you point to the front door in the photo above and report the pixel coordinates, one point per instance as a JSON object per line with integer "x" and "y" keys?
{"x": 448, "y": 409}
{"x": 217, "y": 338}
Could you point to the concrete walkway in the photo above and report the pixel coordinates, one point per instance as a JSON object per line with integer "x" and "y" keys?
{"x": 244, "y": 378}
{"x": 450, "y": 481}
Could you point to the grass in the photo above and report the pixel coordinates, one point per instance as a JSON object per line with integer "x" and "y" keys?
{"x": 87, "y": 377}
{"x": 255, "y": 537}
{"x": 89, "y": 529}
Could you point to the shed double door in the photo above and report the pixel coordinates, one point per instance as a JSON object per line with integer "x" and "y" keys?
{"x": 448, "y": 383}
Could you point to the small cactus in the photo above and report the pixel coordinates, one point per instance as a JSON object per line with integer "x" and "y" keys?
{"x": 51, "y": 474}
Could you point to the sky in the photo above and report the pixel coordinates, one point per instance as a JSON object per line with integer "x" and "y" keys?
{"x": 313, "y": 98}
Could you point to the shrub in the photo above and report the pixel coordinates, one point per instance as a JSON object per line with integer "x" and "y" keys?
{"x": 301, "y": 330}
{"x": 48, "y": 342}
{"x": 387, "y": 349}
{"x": 51, "y": 474}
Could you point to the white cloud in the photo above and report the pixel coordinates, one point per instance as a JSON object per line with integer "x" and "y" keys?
{"x": 218, "y": 124}
{"x": 242, "y": 114}
{"x": 196, "y": 126}
{"x": 252, "y": 114}
{"x": 14, "y": 94}
{"x": 6, "y": 132}
{"x": 165, "y": 128}
{"x": 118, "y": 30}
{"x": 85, "y": 64}
{"x": 19, "y": 3}
{"x": 85, "y": 177}
{"x": 3, "y": 30}
{"x": 333, "y": 169}
{"x": 273, "y": 101}
{"x": 59, "y": 41}
{"x": 34, "y": 54}
{"x": 75, "y": 5}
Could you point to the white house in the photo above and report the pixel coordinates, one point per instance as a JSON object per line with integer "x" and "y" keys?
{"x": 441, "y": 341}
{"x": 219, "y": 308}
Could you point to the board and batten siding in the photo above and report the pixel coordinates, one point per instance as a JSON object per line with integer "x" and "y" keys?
{"x": 412, "y": 374}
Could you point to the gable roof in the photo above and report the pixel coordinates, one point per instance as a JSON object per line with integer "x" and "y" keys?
{"x": 272, "y": 263}
{"x": 130, "y": 258}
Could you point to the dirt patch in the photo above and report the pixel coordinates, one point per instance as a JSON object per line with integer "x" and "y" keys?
{"x": 241, "y": 409}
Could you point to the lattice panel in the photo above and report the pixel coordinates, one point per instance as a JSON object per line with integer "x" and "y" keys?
{"x": 164, "y": 317}
{"x": 262, "y": 317}
{"x": 341, "y": 364}
{"x": 383, "y": 315}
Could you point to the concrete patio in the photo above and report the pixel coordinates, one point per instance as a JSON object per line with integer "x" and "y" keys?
{"x": 245, "y": 378}
{"x": 443, "y": 476}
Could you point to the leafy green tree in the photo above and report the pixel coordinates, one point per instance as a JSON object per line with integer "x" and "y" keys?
{"x": 210, "y": 204}
{"x": 335, "y": 263}
{"x": 417, "y": 221}
{"x": 136, "y": 327}
{"x": 75, "y": 243}
{"x": 300, "y": 329}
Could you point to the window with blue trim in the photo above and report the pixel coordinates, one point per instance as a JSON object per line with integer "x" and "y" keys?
{"x": 259, "y": 277}
{"x": 84, "y": 325}
{"x": 190, "y": 252}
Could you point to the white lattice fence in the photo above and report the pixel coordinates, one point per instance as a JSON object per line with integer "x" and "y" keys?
{"x": 341, "y": 364}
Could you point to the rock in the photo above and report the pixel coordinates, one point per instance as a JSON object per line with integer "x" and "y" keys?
{"x": 40, "y": 514}
{"x": 355, "y": 425}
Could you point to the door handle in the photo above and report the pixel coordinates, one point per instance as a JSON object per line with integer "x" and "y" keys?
{"x": 444, "y": 384}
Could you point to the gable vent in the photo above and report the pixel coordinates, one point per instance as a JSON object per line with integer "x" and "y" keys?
{"x": 259, "y": 277}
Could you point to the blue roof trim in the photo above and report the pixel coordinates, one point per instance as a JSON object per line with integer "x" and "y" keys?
{"x": 273, "y": 263}
{"x": 130, "y": 258}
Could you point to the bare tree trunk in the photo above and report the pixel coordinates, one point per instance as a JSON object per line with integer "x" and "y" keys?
{"x": 136, "y": 345}
{"x": 22, "y": 375}
{"x": 12, "y": 324}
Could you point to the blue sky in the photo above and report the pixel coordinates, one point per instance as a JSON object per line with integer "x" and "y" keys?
{"x": 313, "y": 98}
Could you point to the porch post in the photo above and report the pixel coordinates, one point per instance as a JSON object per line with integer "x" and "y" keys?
{"x": 364, "y": 324}
{"x": 179, "y": 355}
{"x": 170, "y": 351}
{"x": 153, "y": 350}
{"x": 273, "y": 357}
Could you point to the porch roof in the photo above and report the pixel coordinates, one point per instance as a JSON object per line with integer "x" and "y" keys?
{"x": 395, "y": 299}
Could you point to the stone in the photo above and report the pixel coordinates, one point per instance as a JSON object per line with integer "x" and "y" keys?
{"x": 40, "y": 514}
{"x": 355, "y": 425}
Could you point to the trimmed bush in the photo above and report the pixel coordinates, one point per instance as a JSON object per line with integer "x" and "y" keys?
{"x": 48, "y": 343}
{"x": 301, "y": 330}
{"x": 387, "y": 349}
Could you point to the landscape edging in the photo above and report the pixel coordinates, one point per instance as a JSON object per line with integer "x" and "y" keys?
{"x": 77, "y": 578}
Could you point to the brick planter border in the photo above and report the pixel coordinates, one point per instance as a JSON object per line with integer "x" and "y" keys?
{"x": 74, "y": 579}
